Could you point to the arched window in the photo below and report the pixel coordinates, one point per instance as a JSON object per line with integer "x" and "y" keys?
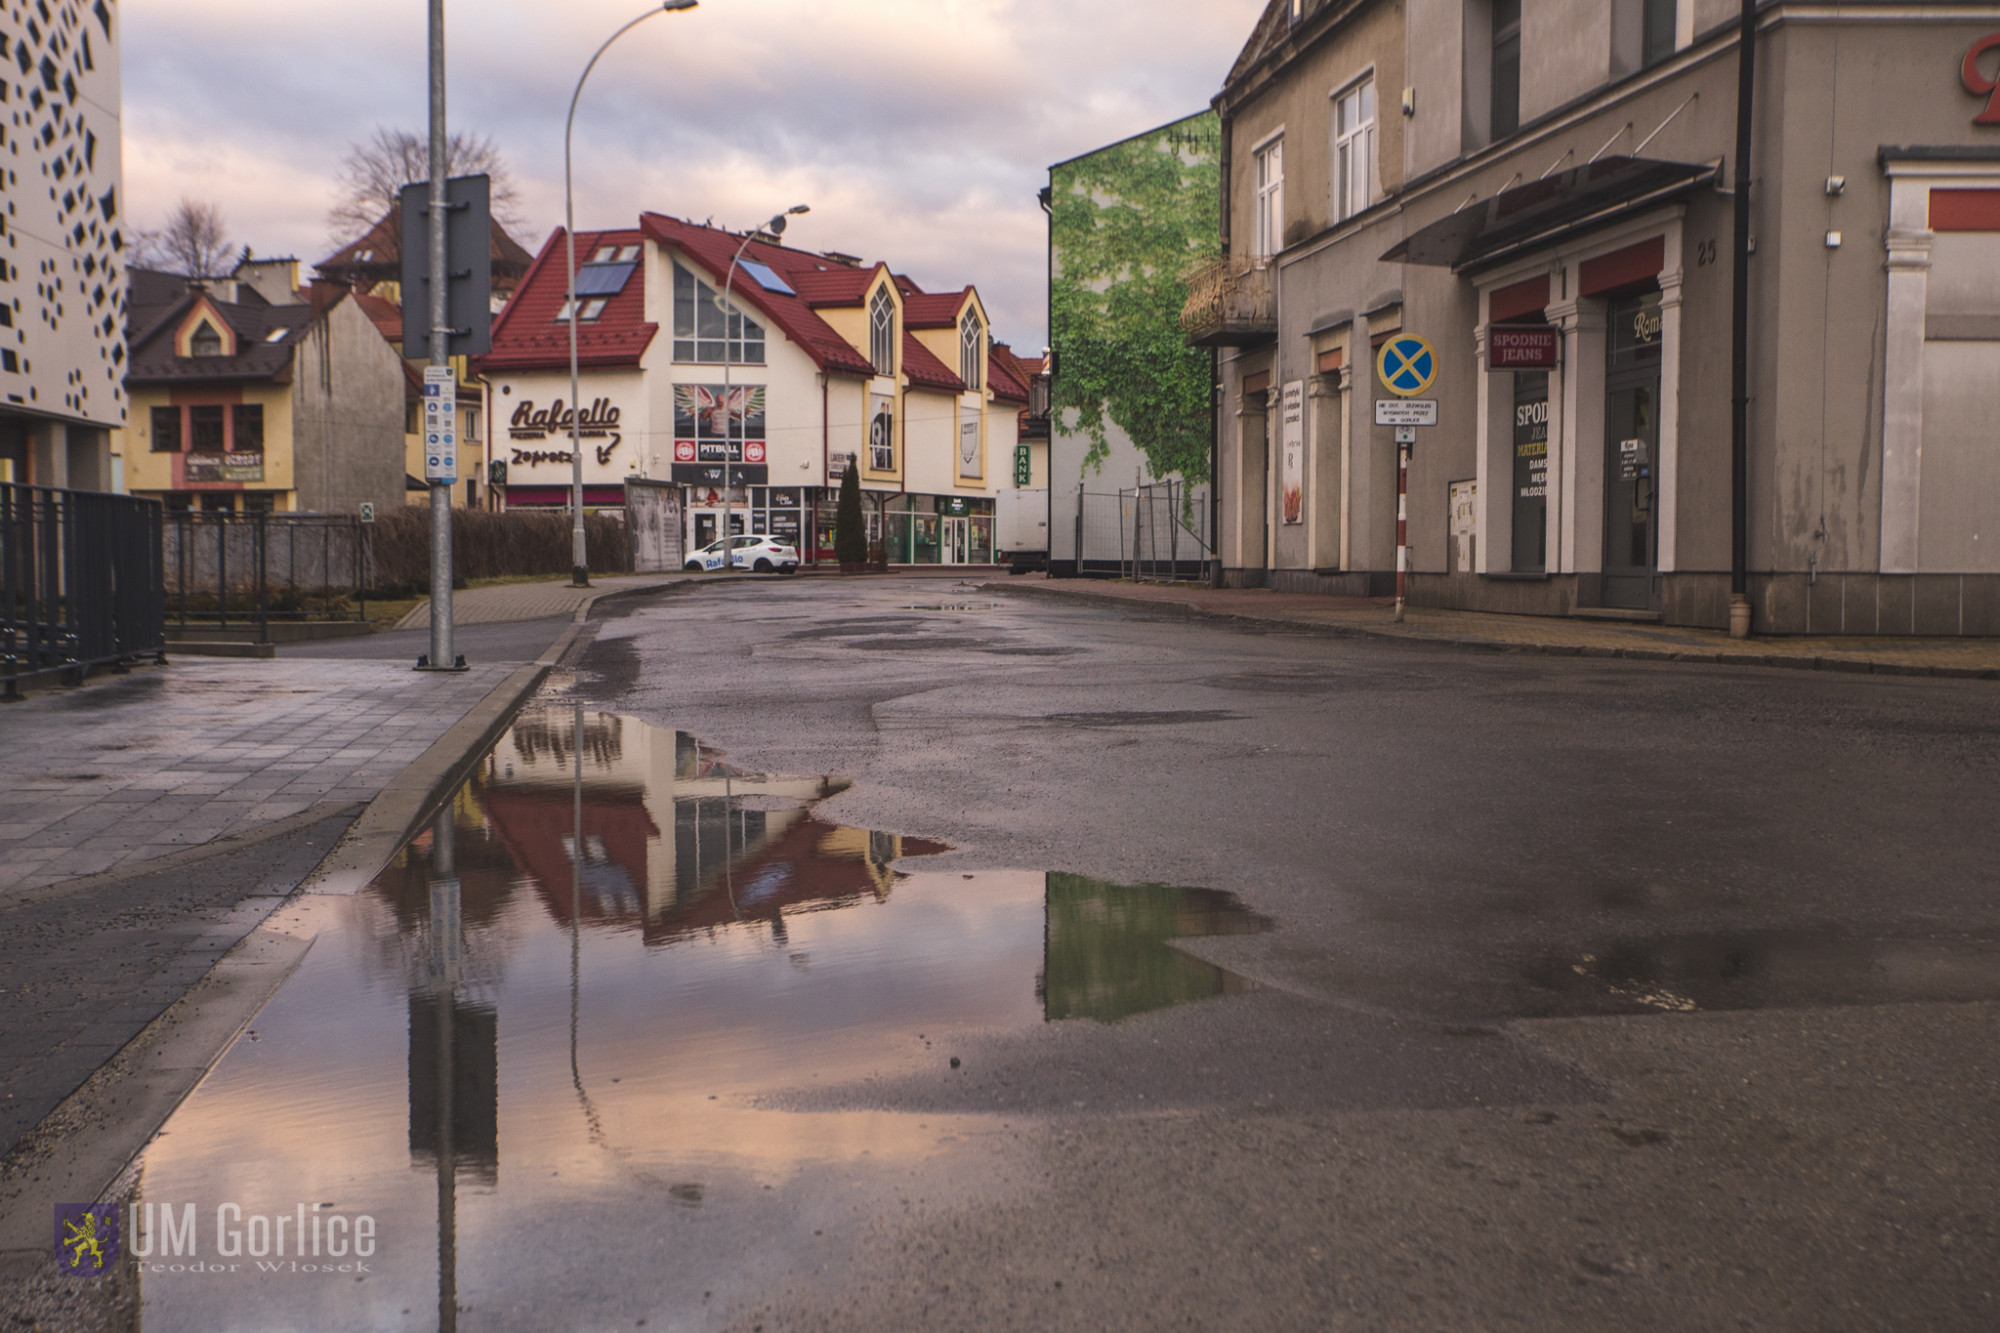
{"x": 971, "y": 350}
{"x": 882, "y": 332}
{"x": 206, "y": 341}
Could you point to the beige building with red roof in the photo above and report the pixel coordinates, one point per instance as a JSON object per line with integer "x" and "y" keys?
{"x": 830, "y": 363}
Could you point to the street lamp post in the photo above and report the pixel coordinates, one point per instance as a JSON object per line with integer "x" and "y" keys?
{"x": 776, "y": 226}
{"x": 579, "y": 560}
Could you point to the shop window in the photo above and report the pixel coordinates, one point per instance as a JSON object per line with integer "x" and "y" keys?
{"x": 971, "y": 350}
{"x": 166, "y": 430}
{"x": 259, "y": 502}
{"x": 1269, "y": 235}
{"x": 206, "y": 341}
{"x": 882, "y": 332}
{"x": 249, "y": 427}
{"x": 205, "y": 429}
{"x": 1506, "y": 105}
{"x": 1354, "y": 169}
{"x": 705, "y": 333}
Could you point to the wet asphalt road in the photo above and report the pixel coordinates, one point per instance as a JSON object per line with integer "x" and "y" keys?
{"x": 1601, "y": 994}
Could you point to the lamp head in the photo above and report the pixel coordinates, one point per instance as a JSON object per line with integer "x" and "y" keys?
{"x": 671, "y": 5}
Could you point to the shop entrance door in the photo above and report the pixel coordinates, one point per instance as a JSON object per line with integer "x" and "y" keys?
{"x": 956, "y": 547}
{"x": 1631, "y": 454}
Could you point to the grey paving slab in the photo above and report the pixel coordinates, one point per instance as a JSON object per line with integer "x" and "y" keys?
{"x": 175, "y": 756}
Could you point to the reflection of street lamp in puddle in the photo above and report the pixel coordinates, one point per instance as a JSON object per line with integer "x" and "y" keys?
{"x": 446, "y": 936}
{"x": 576, "y": 926}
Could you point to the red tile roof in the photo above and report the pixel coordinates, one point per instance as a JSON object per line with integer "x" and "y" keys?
{"x": 529, "y": 336}
{"x": 934, "y": 310}
{"x": 384, "y": 313}
{"x": 926, "y": 370}
{"x": 713, "y": 248}
{"x": 1006, "y": 376}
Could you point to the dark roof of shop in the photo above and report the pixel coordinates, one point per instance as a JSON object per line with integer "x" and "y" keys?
{"x": 260, "y": 355}
{"x": 377, "y": 255}
{"x": 1542, "y": 211}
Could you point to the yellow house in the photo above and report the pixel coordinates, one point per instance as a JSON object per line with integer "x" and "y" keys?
{"x": 240, "y": 402}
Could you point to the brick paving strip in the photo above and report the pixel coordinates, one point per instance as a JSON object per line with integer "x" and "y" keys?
{"x": 1967, "y": 658}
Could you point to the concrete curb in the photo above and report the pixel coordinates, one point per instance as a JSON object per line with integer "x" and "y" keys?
{"x": 79, "y": 1149}
{"x": 1795, "y": 661}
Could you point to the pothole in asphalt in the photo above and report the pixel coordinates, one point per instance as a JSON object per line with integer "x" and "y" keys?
{"x": 550, "y": 1032}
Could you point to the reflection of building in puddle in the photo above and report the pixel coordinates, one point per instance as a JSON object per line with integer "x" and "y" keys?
{"x": 673, "y": 839}
{"x": 1105, "y": 952}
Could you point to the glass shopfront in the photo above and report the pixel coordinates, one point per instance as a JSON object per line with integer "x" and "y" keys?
{"x": 1531, "y": 471}
{"x": 1631, "y": 451}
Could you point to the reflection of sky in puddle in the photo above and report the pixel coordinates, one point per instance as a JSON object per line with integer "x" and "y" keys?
{"x": 593, "y": 1038}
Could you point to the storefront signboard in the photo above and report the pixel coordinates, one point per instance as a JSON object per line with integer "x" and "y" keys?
{"x": 212, "y": 469}
{"x": 1521, "y": 347}
{"x": 1293, "y": 442}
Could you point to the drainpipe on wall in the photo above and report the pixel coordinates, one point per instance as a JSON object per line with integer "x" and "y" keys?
{"x": 1215, "y": 467}
{"x": 825, "y": 460}
{"x": 1739, "y": 367}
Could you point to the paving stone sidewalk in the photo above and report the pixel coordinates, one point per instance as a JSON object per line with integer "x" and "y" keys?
{"x": 1898, "y": 656}
{"x": 529, "y": 601}
{"x": 126, "y": 770}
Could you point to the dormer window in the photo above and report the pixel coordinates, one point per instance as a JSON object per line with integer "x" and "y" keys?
{"x": 971, "y": 350}
{"x": 206, "y": 341}
{"x": 882, "y": 332}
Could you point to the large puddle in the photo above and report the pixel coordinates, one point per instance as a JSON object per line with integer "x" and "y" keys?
{"x": 539, "y": 1053}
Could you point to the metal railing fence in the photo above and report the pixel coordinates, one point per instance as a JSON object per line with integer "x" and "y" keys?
{"x": 244, "y": 571}
{"x": 1156, "y": 533}
{"x": 81, "y": 582}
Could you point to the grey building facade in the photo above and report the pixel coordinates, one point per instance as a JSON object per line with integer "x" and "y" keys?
{"x": 1539, "y": 190}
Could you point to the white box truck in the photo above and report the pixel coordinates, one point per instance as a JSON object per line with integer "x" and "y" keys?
{"x": 1021, "y": 530}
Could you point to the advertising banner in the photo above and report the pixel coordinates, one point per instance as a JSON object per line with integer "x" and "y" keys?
{"x": 971, "y": 464}
{"x": 881, "y": 432}
{"x": 1293, "y": 438}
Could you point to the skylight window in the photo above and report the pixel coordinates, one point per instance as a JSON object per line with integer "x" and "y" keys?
{"x": 597, "y": 279}
{"x": 593, "y": 306}
{"x": 766, "y": 277}
{"x": 276, "y": 335}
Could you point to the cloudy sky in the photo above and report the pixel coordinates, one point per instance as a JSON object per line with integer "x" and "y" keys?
{"x": 918, "y": 130}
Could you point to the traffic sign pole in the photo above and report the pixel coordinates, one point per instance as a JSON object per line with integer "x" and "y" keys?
{"x": 1402, "y": 524}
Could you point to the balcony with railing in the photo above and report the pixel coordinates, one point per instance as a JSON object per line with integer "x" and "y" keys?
{"x": 1231, "y": 302}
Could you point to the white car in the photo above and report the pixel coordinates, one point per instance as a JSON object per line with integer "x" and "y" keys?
{"x": 761, "y": 554}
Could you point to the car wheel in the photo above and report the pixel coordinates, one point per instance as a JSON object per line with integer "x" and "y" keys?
{"x": 694, "y": 566}
{"x": 763, "y": 566}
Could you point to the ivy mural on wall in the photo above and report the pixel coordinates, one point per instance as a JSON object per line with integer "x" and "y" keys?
{"x": 1127, "y": 223}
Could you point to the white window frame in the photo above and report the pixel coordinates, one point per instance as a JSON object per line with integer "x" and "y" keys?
{"x": 971, "y": 343}
{"x": 882, "y": 331}
{"x": 1352, "y": 194}
{"x": 1268, "y": 233}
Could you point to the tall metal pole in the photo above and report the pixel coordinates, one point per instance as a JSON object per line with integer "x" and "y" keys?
{"x": 776, "y": 226}
{"x": 442, "y": 656}
{"x": 579, "y": 561}
{"x": 1739, "y": 360}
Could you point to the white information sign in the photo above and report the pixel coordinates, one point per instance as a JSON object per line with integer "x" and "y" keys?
{"x": 1293, "y": 440}
{"x": 1406, "y": 411}
{"x": 440, "y": 424}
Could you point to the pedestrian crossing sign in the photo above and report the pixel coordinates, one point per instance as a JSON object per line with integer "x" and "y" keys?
{"x": 1407, "y": 365}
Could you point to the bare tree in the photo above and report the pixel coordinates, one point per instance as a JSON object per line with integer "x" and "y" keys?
{"x": 193, "y": 241}
{"x": 375, "y": 171}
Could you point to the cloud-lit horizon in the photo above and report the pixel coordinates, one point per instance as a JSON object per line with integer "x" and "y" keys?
{"x": 918, "y": 130}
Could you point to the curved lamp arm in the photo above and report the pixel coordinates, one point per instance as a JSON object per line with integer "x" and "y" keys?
{"x": 579, "y": 563}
